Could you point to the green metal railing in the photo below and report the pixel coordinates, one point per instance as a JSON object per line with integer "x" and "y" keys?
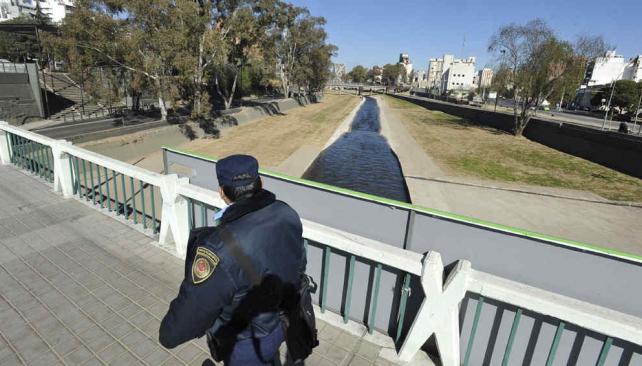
{"x": 128, "y": 197}
{"x": 30, "y": 155}
{"x": 552, "y": 353}
{"x": 200, "y": 215}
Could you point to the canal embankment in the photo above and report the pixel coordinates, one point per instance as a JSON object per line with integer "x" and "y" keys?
{"x": 272, "y": 139}
{"x": 566, "y": 213}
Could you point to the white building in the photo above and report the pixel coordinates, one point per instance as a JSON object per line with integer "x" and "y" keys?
{"x": 485, "y": 78}
{"x": 605, "y": 70}
{"x": 338, "y": 71}
{"x": 419, "y": 79}
{"x": 613, "y": 67}
{"x": 633, "y": 69}
{"x": 450, "y": 73}
{"x": 404, "y": 60}
{"x": 55, "y": 9}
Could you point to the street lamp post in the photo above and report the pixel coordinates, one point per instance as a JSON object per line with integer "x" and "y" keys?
{"x": 637, "y": 110}
{"x": 608, "y": 107}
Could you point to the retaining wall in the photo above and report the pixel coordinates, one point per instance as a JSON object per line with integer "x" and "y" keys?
{"x": 263, "y": 109}
{"x": 20, "y": 97}
{"x": 611, "y": 149}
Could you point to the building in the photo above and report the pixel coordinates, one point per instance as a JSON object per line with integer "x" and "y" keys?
{"x": 404, "y": 60}
{"x": 604, "y": 71}
{"x": 613, "y": 67}
{"x": 377, "y": 71}
{"x": 484, "y": 78}
{"x": 55, "y": 9}
{"x": 338, "y": 71}
{"x": 633, "y": 69}
{"x": 450, "y": 73}
{"x": 419, "y": 79}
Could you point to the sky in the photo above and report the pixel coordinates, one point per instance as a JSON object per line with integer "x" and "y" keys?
{"x": 375, "y": 32}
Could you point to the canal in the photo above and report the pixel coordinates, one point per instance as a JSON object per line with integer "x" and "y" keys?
{"x": 361, "y": 159}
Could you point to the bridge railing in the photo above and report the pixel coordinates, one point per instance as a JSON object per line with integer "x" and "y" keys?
{"x": 170, "y": 207}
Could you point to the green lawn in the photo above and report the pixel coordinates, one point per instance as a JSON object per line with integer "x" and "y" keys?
{"x": 465, "y": 149}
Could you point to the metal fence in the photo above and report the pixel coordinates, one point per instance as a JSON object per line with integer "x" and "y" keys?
{"x": 14, "y": 68}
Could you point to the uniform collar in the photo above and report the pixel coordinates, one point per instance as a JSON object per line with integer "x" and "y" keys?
{"x": 245, "y": 206}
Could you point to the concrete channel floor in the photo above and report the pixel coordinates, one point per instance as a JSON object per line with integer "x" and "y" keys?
{"x": 78, "y": 287}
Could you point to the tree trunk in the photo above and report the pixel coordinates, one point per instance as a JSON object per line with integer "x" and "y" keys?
{"x": 198, "y": 81}
{"x": 161, "y": 99}
{"x": 284, "y": 83}
{"x": 524, "y": 118}
{"x": 227, "y": 99}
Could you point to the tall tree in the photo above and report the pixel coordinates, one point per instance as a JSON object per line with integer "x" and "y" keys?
{"x": 359, "y": 74}
{"x": 626, "y": 94}
{"x": 147, "y": 38}
{"x": 539, "y": 64}
{"x": 392, "y": 73}
{"x": 300, "y": 48}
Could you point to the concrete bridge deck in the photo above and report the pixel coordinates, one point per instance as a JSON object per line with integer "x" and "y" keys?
{"x": 80, "y": 288}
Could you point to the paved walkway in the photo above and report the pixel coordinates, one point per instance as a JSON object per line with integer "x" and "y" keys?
{"x": 78, "y": 287}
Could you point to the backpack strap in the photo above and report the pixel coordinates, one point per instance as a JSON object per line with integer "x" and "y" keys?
{"x": 235, "y": 248}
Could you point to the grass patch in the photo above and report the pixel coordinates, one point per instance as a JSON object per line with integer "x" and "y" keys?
{"x": 465, "y": 149}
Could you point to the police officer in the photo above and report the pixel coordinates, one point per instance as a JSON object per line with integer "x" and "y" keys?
{"x": 239, "y": 273}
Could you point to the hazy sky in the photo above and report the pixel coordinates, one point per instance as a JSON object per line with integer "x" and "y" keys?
{"x": 370, "y": 32}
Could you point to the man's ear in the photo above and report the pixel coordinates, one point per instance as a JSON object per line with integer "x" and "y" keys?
{"x": 223, "y": 196}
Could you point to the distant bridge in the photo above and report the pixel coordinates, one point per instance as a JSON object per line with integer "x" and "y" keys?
{"x": 355, "y": 86}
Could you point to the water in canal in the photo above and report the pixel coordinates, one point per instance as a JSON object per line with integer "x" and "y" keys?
{"x": 361, "y": 159}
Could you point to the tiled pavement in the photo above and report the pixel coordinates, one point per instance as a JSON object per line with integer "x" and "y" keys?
{"x": 79, "y": 287}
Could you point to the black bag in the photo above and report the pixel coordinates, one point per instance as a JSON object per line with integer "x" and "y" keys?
{"x": 301, "y": 332}
{"x": 300, "y": 323}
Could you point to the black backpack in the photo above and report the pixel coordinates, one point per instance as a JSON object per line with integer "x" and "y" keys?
{"x": 301, "y": 333}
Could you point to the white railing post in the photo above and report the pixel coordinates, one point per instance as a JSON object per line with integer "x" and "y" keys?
{"x": 63, "y": 174}
{"x": 439, "y": 311}
{"x": 5, "y": 152}
{"x": 174, "y": 215}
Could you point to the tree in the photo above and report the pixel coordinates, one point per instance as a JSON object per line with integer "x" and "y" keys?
{"x": 191, "y": 50}
{"x": 147, "y": 38}
{"x": 539, "y": 64}
{"x": 358, "y": 74}
{"x": 392, "y": 73}
{"x": 40, "y": 18}
{"x": 626, "y": 94}
{"x": 300, "y": 49}
{"x": 501, "y": 82}
{"x": 243, "y": 25}
{"x": 22, "y": 47}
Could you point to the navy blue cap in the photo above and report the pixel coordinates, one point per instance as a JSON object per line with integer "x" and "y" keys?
{"x": 237, "y": 170}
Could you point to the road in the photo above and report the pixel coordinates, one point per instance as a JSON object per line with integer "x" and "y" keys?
{"x": 584, "y": 120}
{"x": 74, "y": 130}
{"x": 571, "y": 117}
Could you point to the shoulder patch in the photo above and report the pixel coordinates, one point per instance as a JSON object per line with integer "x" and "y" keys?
{"x": 205, "y": 261}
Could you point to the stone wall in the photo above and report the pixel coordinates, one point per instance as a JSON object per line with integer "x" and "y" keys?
{"x": 611, "y": 149}
{"x": 20, "y": 98}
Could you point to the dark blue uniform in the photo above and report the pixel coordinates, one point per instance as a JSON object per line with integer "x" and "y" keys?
{"x": 216, "y": 295}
